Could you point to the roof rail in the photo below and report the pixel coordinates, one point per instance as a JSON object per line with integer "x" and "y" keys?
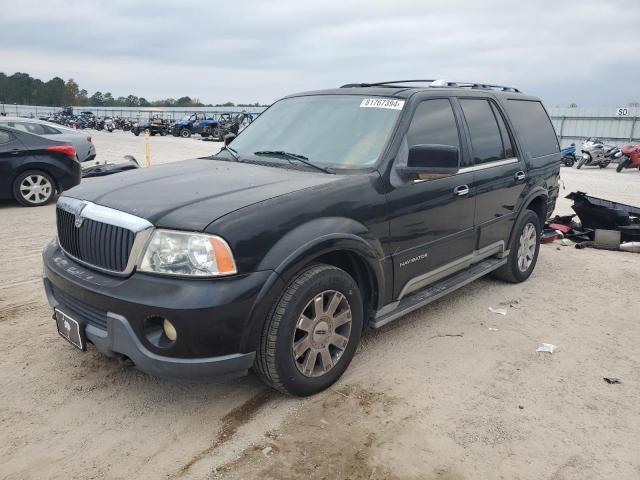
{"x": 437, "y": 84}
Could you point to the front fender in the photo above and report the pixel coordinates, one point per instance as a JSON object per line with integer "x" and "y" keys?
{"x": 317, "y": 237}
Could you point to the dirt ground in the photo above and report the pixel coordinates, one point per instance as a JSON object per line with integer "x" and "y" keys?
{"x": 449, "y": 392}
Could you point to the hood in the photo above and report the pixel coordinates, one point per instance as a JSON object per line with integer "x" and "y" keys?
{"x": 191, "y": 194}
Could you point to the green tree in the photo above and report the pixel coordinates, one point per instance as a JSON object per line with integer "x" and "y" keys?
{"x": 96, "y": 100}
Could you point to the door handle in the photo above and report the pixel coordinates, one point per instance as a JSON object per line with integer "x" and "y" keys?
{"x": 520, "y": 176}
{"x": 461, "y": 190}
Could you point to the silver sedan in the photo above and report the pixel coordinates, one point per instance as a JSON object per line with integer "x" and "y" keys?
{"x": 80, "y": 139}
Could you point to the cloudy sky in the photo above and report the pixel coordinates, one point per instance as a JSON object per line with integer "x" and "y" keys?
{"x": 564, "y": 51}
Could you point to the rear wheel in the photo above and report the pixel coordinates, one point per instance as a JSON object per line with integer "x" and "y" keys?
{"x": 312, "y": 332}
{"x": 524, "y": 249}
{"x": 34, "y": 188}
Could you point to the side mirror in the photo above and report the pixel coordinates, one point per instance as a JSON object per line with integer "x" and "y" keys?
{"x": 228, "y": 138}
{"x": 431, "y": 159}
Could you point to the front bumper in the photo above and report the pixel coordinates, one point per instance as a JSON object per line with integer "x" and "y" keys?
{"x": 211, "y": 316}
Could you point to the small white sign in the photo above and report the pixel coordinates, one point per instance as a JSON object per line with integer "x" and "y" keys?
{"x": 382, "y": 103}
{"x": 622, "y": 112}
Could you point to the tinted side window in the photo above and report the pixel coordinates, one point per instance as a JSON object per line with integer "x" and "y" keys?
{"x": 433, "y": 123}
{"x": 34, "y": 128}
{"x": 4, "y": 137}
{"x": 485, "y": 134}
{"x": 47, "y": 130}
{"x": 534, "y": 127}
{"x": 507, "y": 146}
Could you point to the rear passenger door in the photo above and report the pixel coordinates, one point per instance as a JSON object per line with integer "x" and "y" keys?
{"x": 499, "y": 173}
{"x": 12, "y": 155}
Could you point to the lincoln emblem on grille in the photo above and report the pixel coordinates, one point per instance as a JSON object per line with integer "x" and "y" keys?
{"x": 78, "y": 216}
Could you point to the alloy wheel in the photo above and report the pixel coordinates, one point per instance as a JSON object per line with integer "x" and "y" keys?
{"x": 36, "y": 189}
{"x": 322, "y": 333}
{"x": 527, "y": 247}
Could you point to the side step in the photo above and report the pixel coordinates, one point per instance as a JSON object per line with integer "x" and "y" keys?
{"x": 433, "y": 292}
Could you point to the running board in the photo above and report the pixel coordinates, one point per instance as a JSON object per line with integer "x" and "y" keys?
{"x": 433, "y": 292}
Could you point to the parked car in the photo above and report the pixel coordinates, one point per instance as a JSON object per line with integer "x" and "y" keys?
{"x": 333, "y": 212}
{"x": 81, "y": 140}
{"x": 33, "y": 168}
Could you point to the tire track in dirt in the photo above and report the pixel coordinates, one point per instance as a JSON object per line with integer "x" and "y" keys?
{"x": 231, "y": 422}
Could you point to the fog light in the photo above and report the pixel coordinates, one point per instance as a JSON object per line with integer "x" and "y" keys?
{"x": 169, "y": 330}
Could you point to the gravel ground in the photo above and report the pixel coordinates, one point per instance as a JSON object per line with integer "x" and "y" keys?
{"x": 452, "y": 391}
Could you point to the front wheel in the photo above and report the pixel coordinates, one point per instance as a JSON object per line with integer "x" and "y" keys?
{"x": 524, "y": 248}
{"x": 622, "y": 165}
{"x": 312, "y": 331}
{"x": 581, "y": 162}
{"x": 185, "y": 133}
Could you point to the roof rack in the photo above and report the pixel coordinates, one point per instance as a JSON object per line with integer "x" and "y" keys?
{"x": 436, "y": 84}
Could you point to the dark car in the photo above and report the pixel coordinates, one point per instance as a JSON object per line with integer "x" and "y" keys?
{"x": 334, "y": 211}
{"x": 34, "y": 168}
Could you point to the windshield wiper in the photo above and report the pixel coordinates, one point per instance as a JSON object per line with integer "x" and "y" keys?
{"x": 294, "y": 156}
{"x": 233, "y": 153}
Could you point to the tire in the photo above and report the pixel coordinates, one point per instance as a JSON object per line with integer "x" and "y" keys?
{"x": 622, "y": 165}
{"x": 581, "y": 162}
{"x": 277, "y": 364}
{"x": 185, "y": 133}
{"x": 26, "y": 193}
{"x": 136, "y": 132}
{"x": 512, "y": 271}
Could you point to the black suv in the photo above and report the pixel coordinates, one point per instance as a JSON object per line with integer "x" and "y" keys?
{"x": 334, "y": 211}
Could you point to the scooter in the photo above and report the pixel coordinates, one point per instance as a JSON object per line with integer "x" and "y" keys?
{"x": 569, "y": 155}
{"x": 594, "y": 152}
{"x": 630, "y": 159}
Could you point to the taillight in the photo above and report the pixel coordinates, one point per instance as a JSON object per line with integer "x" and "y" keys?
{"x": 68, "y": 150}
{"x": 88, "y": 138}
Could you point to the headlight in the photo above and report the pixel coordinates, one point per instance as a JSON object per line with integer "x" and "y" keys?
{"x": 191, "y": 254}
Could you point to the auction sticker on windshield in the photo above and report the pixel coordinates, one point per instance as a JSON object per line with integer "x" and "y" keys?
{"x": 382, "y": 103}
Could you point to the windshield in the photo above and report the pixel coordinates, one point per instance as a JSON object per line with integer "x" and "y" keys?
{"x": 342, "y": 131}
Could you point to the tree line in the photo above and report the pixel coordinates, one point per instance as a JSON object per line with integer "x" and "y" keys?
{"x": 23, "y": 89}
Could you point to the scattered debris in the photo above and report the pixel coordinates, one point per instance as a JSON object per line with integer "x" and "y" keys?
{"x": 599, "y": 213}
{"x": 611, "y": 380}
{"x": 499, "y": 311}
{"x": 267, "y": 451}
{"x": 546, "y": 347}
{"x": 521, "y": 407}
{"x": 100, "y": 170}
{"x": 446, "y": 335}
{"x": 633, "y": 247}
{"x": 566, "y": 242}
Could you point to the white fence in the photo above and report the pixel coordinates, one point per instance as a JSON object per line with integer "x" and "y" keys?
{"x": 615, "y": 125}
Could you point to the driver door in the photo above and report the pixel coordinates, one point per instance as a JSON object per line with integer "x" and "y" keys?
{"x": 432, "y": 220}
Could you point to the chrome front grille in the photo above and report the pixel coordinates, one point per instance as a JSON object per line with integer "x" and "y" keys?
{"x": 100, "y": 244}
{"x": 98, "y": 236}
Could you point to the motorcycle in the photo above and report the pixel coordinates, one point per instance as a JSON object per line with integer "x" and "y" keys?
{"x": 569, "y": 155}
{"x": 108, "y": 124}
{"x": 630, "y": 159}
{"x": 596, "y": 153}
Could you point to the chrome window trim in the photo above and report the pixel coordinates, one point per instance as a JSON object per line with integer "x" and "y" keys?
{"x": 483, "y": 166}
{"x": 141, "y": 228}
